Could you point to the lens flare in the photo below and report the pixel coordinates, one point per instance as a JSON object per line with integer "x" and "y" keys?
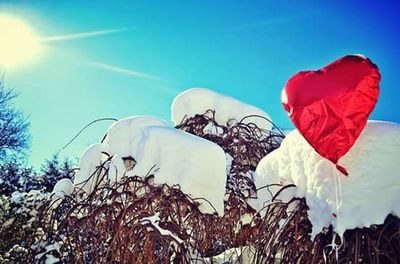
{"x": 18, "y": 42}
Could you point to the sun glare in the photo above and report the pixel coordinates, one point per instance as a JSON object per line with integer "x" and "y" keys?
{"x": 18, "y": 42}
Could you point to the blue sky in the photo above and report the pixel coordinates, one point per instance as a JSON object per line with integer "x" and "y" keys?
{"x": 246, "y": 49}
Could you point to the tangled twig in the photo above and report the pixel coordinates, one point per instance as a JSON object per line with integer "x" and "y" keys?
{"x": 244, "y": 142}
{"x": 284, "y": 236}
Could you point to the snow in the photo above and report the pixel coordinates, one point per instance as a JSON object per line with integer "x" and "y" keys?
{"x": 212, "y": 129}
{"x": 239, "y": 255}
{"x": 246, "y": 219}
{"x": 155, "y": 220}
{"x": 121, "y": 141}
{"x": 27, "y": 198}
{"x": 196, "y": 164}
{"x": 89, "y": 162}
{"x": 229, "y": 159}
{"x": 125, "y": 135}
{"x": 8, "y": 222}
{"x": 365, "y": 197}
{"x": 49, "y": 257}
{"x": 17, "y": 197}
{"x": 63, "y": 187}
{"x": 117, "y": 168}
{"x": 199, "y": 100}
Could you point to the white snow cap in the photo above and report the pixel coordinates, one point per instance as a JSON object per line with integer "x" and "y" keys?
{"x": 199, "y": 100}
{"x": 90, "y": 160}
{"x": 122, "y": 140}
{"x": 116, "y": 169}
{"x": 124, "y": 136}
{"x": 365, "y": 197}
{"x": 196, "y": 164}
{"x": 63, "y": 187}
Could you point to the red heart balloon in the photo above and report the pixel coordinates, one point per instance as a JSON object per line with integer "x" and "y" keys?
{"x": 330, "y": 107}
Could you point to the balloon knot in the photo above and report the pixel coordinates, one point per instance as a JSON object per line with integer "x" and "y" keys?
{"x": 341, "y": 169}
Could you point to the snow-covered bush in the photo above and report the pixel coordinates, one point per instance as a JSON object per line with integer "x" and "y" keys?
{"x": 331, "y": 215}
{"x": 24, "y": 195}
{"x": 141, "y": 194}
{"x": 16, "y": 176}
{"x": 284, "y": 236}
{"x": 135, "y": 221}
{"x": 19, "y": 221}
{"x": 363, "y": 198}
{"x": 149, "y": 193}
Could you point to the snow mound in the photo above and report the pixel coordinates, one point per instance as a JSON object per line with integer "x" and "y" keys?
{"x": 199, "y": 100}
{"x": 123, "y": 136}
{"x": 121, "y": 141}
{"x": 63, "y": 187}
{"x": 174, "y": 156}
{"x": 87, "y": 175}
{"x": 365, "y": 197}
{"x": 196, "y": 164}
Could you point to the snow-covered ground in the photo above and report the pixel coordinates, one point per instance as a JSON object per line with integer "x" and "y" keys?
{"x": 365, "y": 197}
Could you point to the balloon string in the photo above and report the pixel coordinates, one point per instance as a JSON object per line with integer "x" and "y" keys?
{"x": 338, "y": 203}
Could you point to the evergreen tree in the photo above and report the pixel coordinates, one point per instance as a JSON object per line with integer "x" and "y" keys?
{"x": 52, "y": 171}
{"x": 14, "y": 176}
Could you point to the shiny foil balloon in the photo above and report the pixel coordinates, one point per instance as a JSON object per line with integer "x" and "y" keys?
{"x": 330, "y": 107}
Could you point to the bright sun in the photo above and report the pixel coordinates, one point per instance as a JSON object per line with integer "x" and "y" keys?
{"x": 18, "y": 42}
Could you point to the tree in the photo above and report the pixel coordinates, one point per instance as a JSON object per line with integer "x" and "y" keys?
{"x": 52, "y": 171}
{"x": 14, "y": 136}
{"x": 16, "y": 176}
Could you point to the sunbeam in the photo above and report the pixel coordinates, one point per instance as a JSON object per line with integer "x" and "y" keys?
{"x": 82, "y": 35}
